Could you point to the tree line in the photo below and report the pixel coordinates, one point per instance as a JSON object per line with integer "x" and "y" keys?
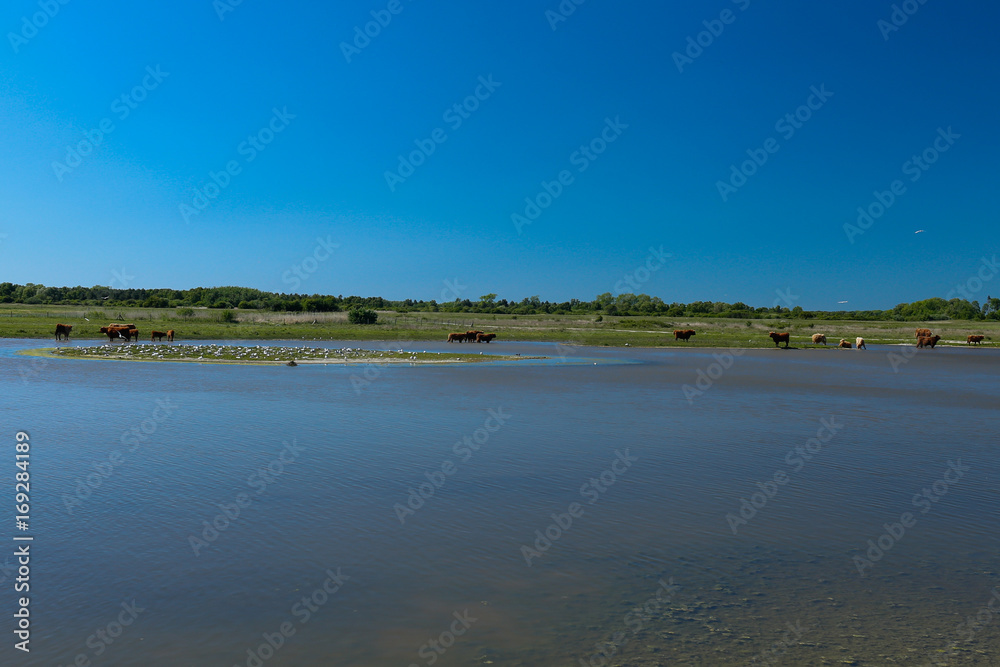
{"x": 603, "y": 304}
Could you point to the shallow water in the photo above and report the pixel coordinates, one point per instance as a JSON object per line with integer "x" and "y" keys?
{"x": 363, "y": 442}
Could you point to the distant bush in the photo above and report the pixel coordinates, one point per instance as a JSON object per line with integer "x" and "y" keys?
{"x": 185, "y": 312}
{"x": 227, "y": 316}
{"x": 96, "y": 315}
{"x": 362, "y": 316}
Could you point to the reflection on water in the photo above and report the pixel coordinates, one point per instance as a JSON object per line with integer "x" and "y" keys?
{"x": 288, "y": 516}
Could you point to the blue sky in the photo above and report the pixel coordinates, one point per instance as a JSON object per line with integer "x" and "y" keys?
{"x": 202, "y": 90}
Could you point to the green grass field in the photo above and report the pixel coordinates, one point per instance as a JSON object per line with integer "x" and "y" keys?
{"x": 23, "y": 321}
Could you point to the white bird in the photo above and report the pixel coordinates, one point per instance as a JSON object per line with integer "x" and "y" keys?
{"x": 841, "y": 302}
{"x": 918, "y": 231}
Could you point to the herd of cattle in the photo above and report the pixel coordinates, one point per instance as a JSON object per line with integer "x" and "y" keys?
{"x": 471, "y": 337}
{"x": 124, "y": 332}
{"x": 924, "y": 339}
{"x": 127, "y": 332}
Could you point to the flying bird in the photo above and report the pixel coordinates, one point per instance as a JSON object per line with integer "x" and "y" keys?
{"x": 841, "y": 302}
{"x": 918, "y": 231}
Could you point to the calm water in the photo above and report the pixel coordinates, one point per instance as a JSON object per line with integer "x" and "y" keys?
{"x": 354, "y": 448}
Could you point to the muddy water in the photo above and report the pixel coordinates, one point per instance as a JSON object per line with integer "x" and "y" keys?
{"x": 689, "y": 508}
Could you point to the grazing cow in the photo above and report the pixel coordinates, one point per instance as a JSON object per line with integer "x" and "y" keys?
{"x": 780, "y": 338}
{"x": 170, "y": 335}
{"x": 819, "y": 338}
{"x": 63, "y": 330}
{"x": 845, "y": 343}
{"x": 928, "y": 341}
{"x": 470, "y": 336}
{"x": 974, "y": 339}
{"x": 456, "y": 337}
{"x": 922, "y": 332}
{"x": 157, "y": 334}
{"x": 860, "y": 343}
{"x": 485, "y": 337}
{"x": 112, "y": 332}
{"x": 683, "y": 334}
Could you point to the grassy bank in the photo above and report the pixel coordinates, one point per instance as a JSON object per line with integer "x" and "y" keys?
{"x": 21, "y": 321}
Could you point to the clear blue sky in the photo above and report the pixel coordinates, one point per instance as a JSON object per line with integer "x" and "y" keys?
{"x": 115, "y": 216}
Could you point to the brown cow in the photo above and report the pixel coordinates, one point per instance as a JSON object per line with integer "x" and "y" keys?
{"x": 456, "y": 337}
{"x": 485, "y": 337}
{"x": 922, "y": 332}
{"x": 156, "y": 334}
{"x": 112, "y": 332}
{"x": 845, "y": 343}
{"x": 974, "y": 339}
{"x": 683, "y": 334}
{"x": 170, "y": 335}
{"x": 780, "y": 338}
{"x": 470, "y": 336}
{"x": 63, "y": 330}
{"x": 928, "y": 341}
{"x": 819, "y": 338}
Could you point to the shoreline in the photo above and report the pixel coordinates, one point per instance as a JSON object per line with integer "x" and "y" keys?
{"x": 427, "y": 358}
